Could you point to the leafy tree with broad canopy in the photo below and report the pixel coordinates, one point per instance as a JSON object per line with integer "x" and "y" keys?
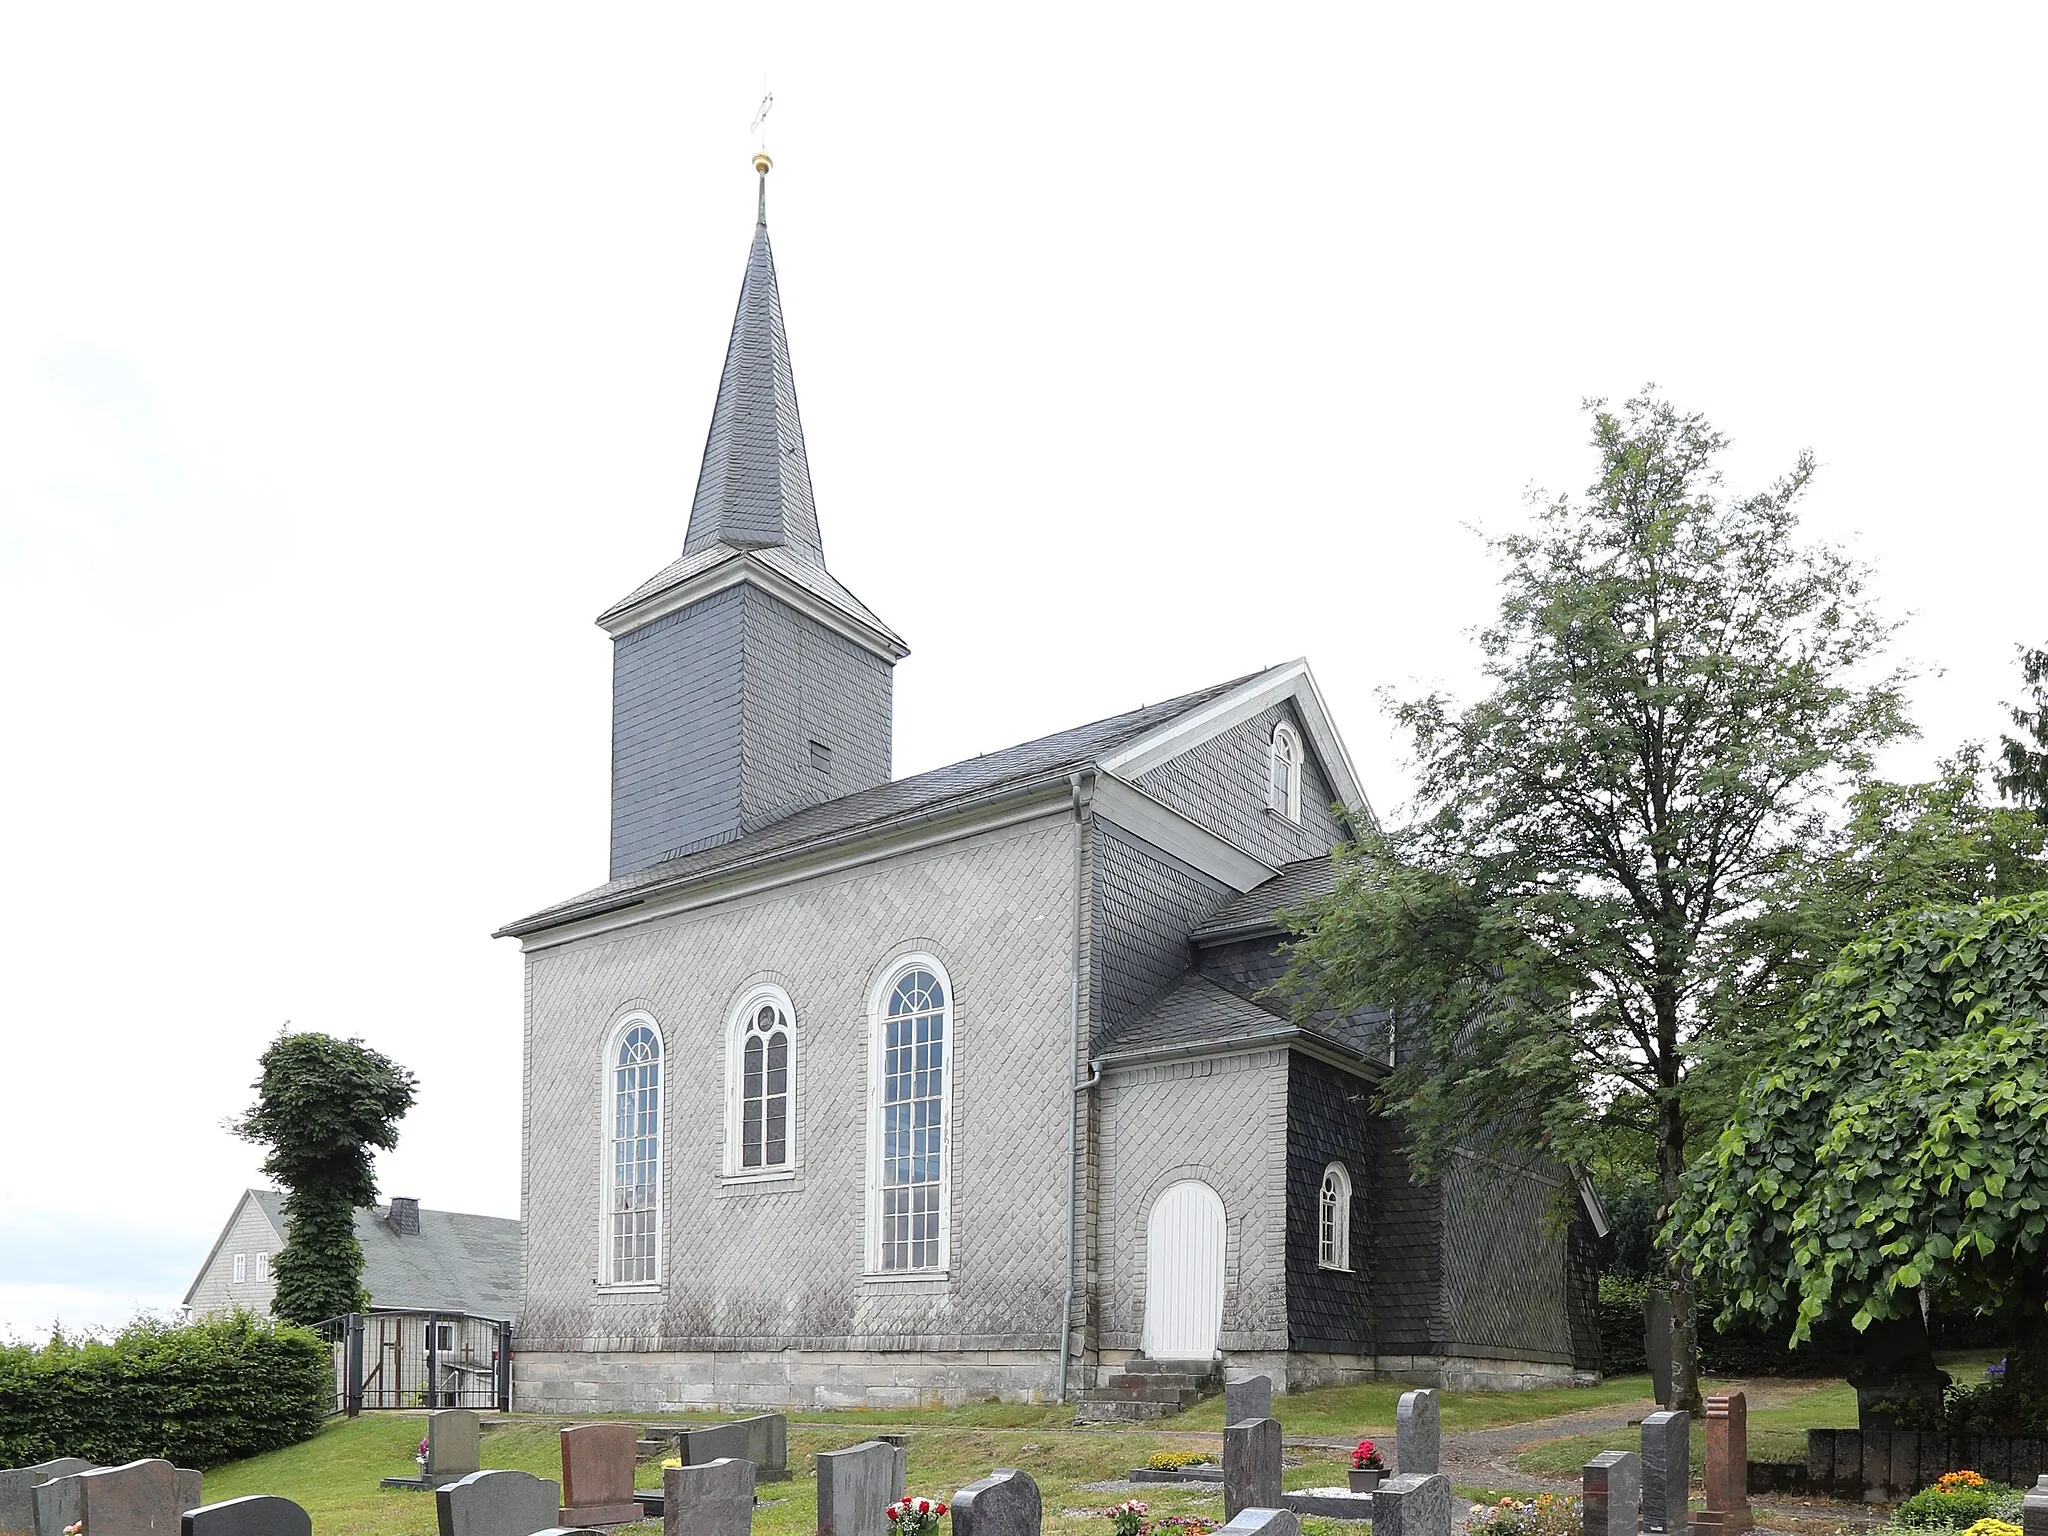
{"x": 1678, "y": 689}
{"x": 1897, "y": 1138}
{"x": 321, "y": 1105}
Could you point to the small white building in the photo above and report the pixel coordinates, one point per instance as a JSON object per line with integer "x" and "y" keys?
{"x": 444, "y": 1288}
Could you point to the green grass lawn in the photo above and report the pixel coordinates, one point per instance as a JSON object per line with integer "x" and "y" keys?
{"x": 1775, "y": 1434}
{"x": 1368, "y": 1409}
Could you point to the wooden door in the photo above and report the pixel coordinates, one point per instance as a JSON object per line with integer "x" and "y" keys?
{"x": 1183, "y": 1273}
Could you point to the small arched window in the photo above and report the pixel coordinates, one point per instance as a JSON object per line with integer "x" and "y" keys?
{"x": 632, "y": 1230}
{"x": 1283, "y": 773}
{"x": 910, "y": 1061}
{"x": 1333, "y": 1219}
{"x": 760, "y": 1119}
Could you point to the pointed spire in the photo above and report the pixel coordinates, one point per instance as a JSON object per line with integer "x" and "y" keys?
{"x": 754, "y": 489}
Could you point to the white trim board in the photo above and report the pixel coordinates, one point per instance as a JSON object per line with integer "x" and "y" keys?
{"x": 743, "y": 567}
{"x": 1276, "y": 685}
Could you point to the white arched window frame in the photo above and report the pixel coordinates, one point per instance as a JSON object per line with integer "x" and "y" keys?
{"x": 761, "y": 1086}
{"x": 632, "y": 1175}
{"x": 913, "y": 1049}
{"x": 1333, "y": 1219}
{"x": 1283, "y": 773}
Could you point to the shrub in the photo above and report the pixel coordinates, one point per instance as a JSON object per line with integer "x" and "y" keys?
{"x": 1949, "y": 1508}
{"x": 1991, "y": 1527}
{"x": 199, "y": 1394}
{"x": 1173, "y": 1461}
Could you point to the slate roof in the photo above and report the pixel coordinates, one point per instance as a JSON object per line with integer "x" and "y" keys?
{"x": 1197, "y": 1011}
{"x": 877, "y": 809}
{"x": 796, "y": 565}
{"x": 455, "y": 1263}
{"x": 1251, "y": 914}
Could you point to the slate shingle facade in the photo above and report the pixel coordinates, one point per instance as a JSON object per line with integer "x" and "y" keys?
{"x": 1114, "y": 1028}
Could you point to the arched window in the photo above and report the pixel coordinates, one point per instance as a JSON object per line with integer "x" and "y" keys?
{"x": 1333, "y": 1219}
{"x": 1283, "y": 773}
{"x": 909, "y": 1074}
{"x": 632, "y": 1208}
{"x": 760, "y": 1114}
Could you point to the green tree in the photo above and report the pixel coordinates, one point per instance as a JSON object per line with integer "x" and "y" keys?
{"x": 1943, "y": 842}
{"x": 1897, "y": 1138}
{"x": 321, "y": 1105}
{"x": 2025, "y": 778}
{"x": 1677, "y": 685}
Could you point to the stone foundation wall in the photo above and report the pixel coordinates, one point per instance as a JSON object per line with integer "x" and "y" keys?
{"x": 1303, "y": 1370}
{"x": 668, "y": 1381}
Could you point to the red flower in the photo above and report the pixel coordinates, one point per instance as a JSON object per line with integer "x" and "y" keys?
{"x": 894, "y": 1513}
{"x": 924, "y": 1506}
{"x": 942, "y": 1507}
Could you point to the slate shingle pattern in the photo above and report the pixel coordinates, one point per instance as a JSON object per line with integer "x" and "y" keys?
{"x": 1252, "y": 913}
{"x": 456, "y": 1262}
{"x": 874, "y": 809}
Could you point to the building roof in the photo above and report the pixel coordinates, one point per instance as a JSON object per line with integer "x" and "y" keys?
{"x": 456, "y": 1262}
{"x": 1252, "y": 914}
{"x": 754, "y": 515}
{"x": 887, "y": 805}
{"x": 1198, "y": 1014}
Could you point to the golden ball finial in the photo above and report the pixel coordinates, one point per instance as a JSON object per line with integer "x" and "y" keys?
{"x": 762, "y": 163}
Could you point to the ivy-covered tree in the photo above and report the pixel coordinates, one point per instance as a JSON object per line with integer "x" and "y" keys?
{"x": 321, "y": 1105}
{"x": 1677, "y": 686}
{"x": 2025, "y": 776}
{"x": 1896, "y": 1139}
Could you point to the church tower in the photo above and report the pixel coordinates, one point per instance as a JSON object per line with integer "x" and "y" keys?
{"x": 747, "y": 683}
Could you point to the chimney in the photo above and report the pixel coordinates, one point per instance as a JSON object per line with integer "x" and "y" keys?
{"x": 405, "y": 1216}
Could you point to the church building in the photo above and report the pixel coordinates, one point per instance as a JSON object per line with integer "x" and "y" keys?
{"x": 845, "y": 1088}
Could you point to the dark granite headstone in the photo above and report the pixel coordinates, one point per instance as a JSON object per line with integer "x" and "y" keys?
{"x": 1667, "y": 1472}
{"x": 856, "y": 1487}
{"x": 1611, "y": 1486}
{"x": 715, "y": 1498}
{"x": 1657, "y": 1345}
{"x": 259, "y": 1514}
{"x": 1412, "y": 1504}
{"x": 597, "y": 1474}
{"x": 1005, "y": 1503}
{"x": 1262, "y": 1522}
{"x": 2034, "y": 1508}
{"x": 18, "y": 1491}
{"x": 1251, "y": 1466}
{"x": 1416, "y": 1435}
{"x": 497, "y": 1504}
{"x": 762, "y": 1439}
{"x": 1251, "y": 1398}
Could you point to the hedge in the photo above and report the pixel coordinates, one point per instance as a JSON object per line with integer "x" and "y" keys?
{"x": 199, "y": 1394}
{"x": 1740, "y": 1351}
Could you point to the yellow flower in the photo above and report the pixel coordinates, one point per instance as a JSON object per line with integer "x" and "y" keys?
{"x": 1990, "y": 1527}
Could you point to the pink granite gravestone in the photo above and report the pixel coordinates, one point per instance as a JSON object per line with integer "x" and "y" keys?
{"x": 1727, "y": 1508}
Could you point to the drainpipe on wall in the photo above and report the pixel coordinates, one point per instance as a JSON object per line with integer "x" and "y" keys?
{"x": 1073, "y": 1107}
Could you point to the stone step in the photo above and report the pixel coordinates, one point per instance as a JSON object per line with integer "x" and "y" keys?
{"x": 1143, "y": 1392}
{"x": 1165, "y": 1380}
{"x": 1138, "y": 1411}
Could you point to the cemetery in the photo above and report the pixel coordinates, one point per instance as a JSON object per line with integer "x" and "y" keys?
{"x": 1011, "y": 1469}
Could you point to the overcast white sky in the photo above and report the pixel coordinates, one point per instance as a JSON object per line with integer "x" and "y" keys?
{"x": 352, "y": 361}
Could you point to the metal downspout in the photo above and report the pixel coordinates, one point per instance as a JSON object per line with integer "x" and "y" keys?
{"x": 1073, "y": 1105}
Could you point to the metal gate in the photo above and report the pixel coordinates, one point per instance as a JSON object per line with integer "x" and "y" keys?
{"x": 419, "y": 1360}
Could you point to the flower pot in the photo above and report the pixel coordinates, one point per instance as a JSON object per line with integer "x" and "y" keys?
{"x": 1366, "y": 1479}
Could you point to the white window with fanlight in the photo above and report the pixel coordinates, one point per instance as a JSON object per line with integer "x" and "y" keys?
{"x": 1283, "y": 773}
{"x": 629, "y": 1236}
{"x": 912, "y": 1049}
{"x": 761, "y": 1087}
{"x": 1333, "y": 1219}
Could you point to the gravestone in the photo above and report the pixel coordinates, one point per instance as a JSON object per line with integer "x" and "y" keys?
{"x": 1666, "y": 1472}
{"x": 1416, "y": 1437}
{"x": 713, "y": 1499}
{"x": 1611, "y": 1488}
{"x": 1251, "y": 1466}
{"x": 597, "y": 1474}
{"x": 1262, "y": 1522}
{"x": 56, "y": 1504}
{"x": 856, "y": 1488}
{"x": 2034, "y": 1509}
{"x": 259, "y": 1514}
{"x": 1727, "y": 1467}
{"x": 496, "y": 1504}
{"x": 1412, "y": 1504}
{"x": 1251, "y": 1398}
{"x": 1657, "y": 1344}
{"x": 454, "y": 1449}
{"x": 18, "y": 1491}
{"x": 763, "y": 1440}
{"x": 143, "y": 1498}
{"x": 1005, "y": 1503}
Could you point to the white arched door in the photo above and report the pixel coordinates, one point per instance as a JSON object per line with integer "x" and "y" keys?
{"x": 1183, "y": 1273}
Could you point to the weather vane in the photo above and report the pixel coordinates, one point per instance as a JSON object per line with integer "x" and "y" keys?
{"x": 762, "y": 163}
{"x": 759, "y": 124}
